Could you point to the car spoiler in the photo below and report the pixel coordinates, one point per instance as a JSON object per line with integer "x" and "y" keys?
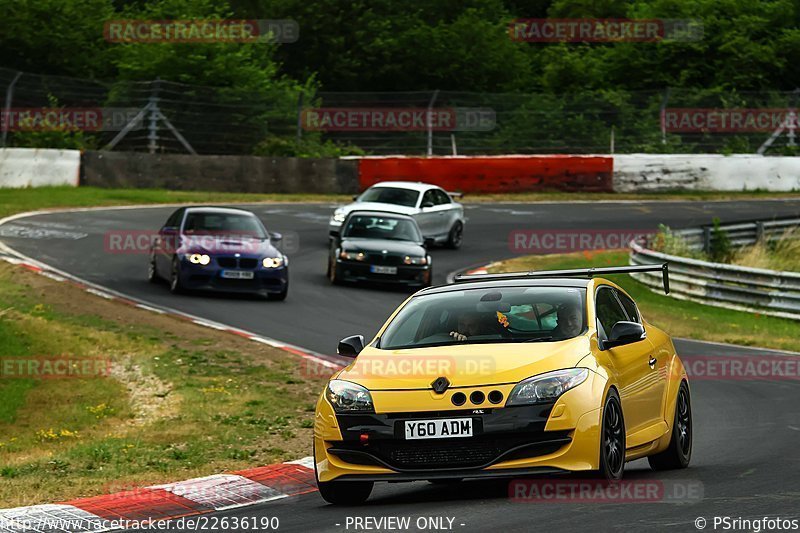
{"x": 453, "y": 194}
{"x": 570, "y": 273}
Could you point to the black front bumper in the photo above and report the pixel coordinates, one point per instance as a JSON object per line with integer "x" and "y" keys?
{"x": 501, "y": 434}
{"x": 411, "y": 275}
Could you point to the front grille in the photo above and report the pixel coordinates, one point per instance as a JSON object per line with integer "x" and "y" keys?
{"x": 233, "y": 262}
{"x": 246, "y": 262}
{"x": 380, "y": 259}
{"x": 450, "y": 453}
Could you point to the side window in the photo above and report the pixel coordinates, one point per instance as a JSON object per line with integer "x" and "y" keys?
{"x": 429, "y": 198}
{"x": 608, "y": 309}
{"x": 630, "y": 308}
{"x": 442, "y": 198}
{"x": 174, "y": 219}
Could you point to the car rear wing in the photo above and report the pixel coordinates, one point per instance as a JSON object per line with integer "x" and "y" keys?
{"x": 453, "y": 194}
{"x": 571, "y": 273}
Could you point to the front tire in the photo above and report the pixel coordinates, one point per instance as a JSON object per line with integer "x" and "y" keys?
{"x": 456, "y": 236}
{"x": 152, "y": 272}
{"x": 679, "y": 452}
{"x": 345, "y": 492}
{"x": 175, "y": 285}
{"x": 612, "y": 440}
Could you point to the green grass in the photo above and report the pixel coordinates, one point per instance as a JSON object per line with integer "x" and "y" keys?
{"x": 181, "y": 401}
{"x": 679, "y": 318}
{"x": 18, "y": 200}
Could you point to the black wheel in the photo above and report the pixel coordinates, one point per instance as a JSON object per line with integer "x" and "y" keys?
{"x": 679, "y": 452}
{"x": 152, "y": 273}
{"x": 345, "y": 492}
{"x": 612, "y": 439}
{"x": 341, "y": 492}
{"x": 175, "y": 277}
{"x": 456, "y": 236}
{"x": 333, "y": 271}
{"x": 279, "y": 296}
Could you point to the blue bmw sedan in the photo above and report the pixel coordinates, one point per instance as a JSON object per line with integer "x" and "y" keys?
{"x": 219, "y": 249}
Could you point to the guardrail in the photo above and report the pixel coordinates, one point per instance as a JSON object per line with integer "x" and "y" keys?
{"x": 739, "y": 233}
{"x": 764, "y": 291}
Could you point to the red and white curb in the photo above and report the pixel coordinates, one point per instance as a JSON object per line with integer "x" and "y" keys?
{"x": 132, "y": 508}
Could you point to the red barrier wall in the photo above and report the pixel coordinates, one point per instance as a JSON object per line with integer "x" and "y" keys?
{"x": 499, "y": 174}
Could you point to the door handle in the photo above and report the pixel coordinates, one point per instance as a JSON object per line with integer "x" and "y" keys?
{"x": 653, "y": 362}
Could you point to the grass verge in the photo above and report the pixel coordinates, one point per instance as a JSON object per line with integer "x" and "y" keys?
{"x": 180, "y": 401}
{"x": 678, "y": 317}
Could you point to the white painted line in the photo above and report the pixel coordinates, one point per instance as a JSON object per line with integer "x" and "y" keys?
{"x": 307, "y": 462}
{"x": 223, "y": 491}
{"x": 101, "y": 294}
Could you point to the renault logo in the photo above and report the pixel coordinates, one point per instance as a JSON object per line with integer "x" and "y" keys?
{"x": 440, "y": 385}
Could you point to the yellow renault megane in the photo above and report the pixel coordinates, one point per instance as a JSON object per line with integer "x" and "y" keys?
{"x": 504, "y": 375}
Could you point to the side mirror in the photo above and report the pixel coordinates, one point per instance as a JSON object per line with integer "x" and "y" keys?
{"x": 169, "y": 230}
{"x": 429, "y": 242}
{"x": 426, "y": 205}
{"x": 351, "y": 346}
{"x": 275, "y": 236}
{"x": 623, "y": 333}
{"x": 355, "y": 197}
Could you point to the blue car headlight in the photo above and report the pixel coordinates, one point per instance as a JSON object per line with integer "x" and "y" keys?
{"x": 546, "y": 387}
{"x": 272, "y": 262}
{"x": 199, "y": 259}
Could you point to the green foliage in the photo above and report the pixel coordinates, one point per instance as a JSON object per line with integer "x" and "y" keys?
{"x": 720, "y": 249}
{"x": 291, "y": 147}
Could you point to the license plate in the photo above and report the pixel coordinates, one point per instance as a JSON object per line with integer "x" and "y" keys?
{"x": 377, "y": 269}
{"x": 237, "y": 274}
{"x": 438, "y": 429}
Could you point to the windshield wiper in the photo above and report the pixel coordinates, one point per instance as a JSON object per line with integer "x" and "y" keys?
{"x": 538, "y": 339}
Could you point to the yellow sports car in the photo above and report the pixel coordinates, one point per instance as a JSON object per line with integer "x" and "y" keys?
{"x": 504, "y": 375}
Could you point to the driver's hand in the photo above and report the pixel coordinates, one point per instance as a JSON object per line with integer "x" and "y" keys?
{"x": 458, "y": 336}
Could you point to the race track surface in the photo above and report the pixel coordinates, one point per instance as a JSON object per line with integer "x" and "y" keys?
{"x": 747, "y": 433}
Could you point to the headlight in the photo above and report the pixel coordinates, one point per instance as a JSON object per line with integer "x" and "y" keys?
{"x": 199, "y": 259}
{"x": 347, "y": 397}
{"x": 272, "y": 262}
{"x": 546, "y": 387}
{"x": 415, "y": 260}
{"x": 339, "y": 215}
{"x": 352, "y": 256}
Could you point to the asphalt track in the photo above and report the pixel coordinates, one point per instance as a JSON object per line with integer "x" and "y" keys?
{"x": 747, "y": 433}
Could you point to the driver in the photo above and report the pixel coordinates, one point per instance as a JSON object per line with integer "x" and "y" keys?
{"x": 569, "y": 321}
{"x": 472, "y": 323}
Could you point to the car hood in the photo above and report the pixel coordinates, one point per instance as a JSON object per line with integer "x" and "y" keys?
{"x": 221, "y": 245}
{"x": 378, "y": 246}
{"x": 379, "y": 207}
{"x": 463, "y": 365}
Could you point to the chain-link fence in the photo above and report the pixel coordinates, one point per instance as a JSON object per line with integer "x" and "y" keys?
{"x": 168, "y": 117}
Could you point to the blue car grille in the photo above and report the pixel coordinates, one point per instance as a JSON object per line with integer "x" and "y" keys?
{"x": 240, "y": 262}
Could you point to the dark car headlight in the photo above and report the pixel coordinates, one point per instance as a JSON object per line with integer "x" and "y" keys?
{"x": 352, "y": 256}
{"x": 348, "y": 397}
{"x": 410, "y": 260}
{"x": 546, "y": 387}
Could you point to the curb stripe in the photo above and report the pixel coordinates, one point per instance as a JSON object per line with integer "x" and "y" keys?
{"x": 169, "y": 501}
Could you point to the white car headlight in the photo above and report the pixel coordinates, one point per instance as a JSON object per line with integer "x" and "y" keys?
{"x": 347, "y": 397}
{"x": 546, "y": 387}
{"x": 352, "y": 256}
{"x": 199, "y": 259}
{"x": 408, "y": 260}
{"x": 272, "y": 262}
{"x": 339, "y": 215}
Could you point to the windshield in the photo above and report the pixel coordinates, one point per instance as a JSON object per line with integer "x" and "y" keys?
{"x": 493, "y": 315}
{"x": 378, "y": 227}
{"x": 232, "y": 225}
{"x": 390, "y": 195}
